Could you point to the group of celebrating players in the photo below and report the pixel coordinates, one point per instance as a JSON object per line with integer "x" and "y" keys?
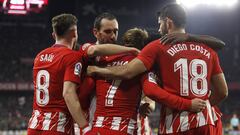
{"x": 106, "y": 88}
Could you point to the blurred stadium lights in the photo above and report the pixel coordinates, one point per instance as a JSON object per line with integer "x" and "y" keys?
{"x": 193, "y": 3}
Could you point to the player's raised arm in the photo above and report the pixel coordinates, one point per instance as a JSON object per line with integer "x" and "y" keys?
{"x": 73, "y": 104}
{"x": 212, "y": 42}
{"x": 126, "y": 71}
{"x": 109, "y": 49}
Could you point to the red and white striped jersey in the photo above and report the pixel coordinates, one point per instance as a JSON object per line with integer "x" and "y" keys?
{"x": 185, "y": 70}
{"x": 121, "y": 124}
{"x": 53, "y": 121}
{"x": 52, "y": 67}
{"x": 118, "y": 100}
{"x": 172, "y": 121}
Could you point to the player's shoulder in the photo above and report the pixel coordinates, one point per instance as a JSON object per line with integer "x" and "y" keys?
{"x": 155, "y": 42}
{"x": 72, "y": 55}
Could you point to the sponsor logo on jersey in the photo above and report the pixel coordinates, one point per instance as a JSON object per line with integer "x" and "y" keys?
{"x": 78, "y": 68}
{"x": 152, "y": 77}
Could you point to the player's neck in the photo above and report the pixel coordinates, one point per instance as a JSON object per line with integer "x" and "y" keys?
{"x": 177, "y": 30}
{"x": 64, "y": 42}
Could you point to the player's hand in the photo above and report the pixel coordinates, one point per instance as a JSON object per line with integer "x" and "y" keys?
{"x": 134, "y": 51}
{"x": 198, "y": 105}
{"x": 91, "y": 70}
{"x": 174, "y": 38}
{"x": 144, "y": 110}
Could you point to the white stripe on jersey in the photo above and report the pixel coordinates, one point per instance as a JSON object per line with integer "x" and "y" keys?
{"x": 131, "y": 126}
{"x": 173, "y": 121}
{"x": 126, "y": 125}
{"x": 215, "y": 118}
{"x": 61, "y": 122}
{"x": 169, "y": 121}
{"x": 184, "y": 124}
{"x": 200, "y": 119}
{"x": 210, "y": 112}
{"x": 99, "y": 122}
{"x": 116, "y": 123}
{"x": 34, "y": 120}
{"x": 47, "y": 120}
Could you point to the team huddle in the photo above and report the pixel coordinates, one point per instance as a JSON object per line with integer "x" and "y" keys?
{"x": 110, "y": 89}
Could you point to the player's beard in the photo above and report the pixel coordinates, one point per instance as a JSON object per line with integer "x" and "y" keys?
{"x": 107, "y": 41}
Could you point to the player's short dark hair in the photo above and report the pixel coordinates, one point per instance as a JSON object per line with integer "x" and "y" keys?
{"x": 135, "y": 37}
{"x": 175, "y": 12}
{"x": 98, "y": 19}
{"x": 61, "y": 23}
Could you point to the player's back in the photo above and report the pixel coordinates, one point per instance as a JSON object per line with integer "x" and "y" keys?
{"x": 52, "y": 67}
{"x": 186, "y": 70}
{"x": 117, "y": 100}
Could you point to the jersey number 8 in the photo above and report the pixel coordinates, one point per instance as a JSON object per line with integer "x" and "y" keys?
{"x": 42, "y": 84}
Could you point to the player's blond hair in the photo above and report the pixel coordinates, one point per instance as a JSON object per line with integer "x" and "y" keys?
{"x": 135, "y": 37}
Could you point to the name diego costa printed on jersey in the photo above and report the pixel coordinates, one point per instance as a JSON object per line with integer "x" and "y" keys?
{"x": 78, "y": 69}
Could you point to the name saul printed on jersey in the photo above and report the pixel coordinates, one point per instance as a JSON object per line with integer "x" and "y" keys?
{"x": 78, "y": 68}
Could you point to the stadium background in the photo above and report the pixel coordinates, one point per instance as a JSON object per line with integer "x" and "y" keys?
{"x": 26, "y": 30}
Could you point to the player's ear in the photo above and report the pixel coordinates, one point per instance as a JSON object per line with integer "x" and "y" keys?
{"x": 95, "y": 32}
{"x": 54, "y": 35}
{"x": 169, "y": 23}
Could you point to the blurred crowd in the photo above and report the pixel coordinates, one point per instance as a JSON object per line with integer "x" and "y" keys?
{"x": 15, "y": 110}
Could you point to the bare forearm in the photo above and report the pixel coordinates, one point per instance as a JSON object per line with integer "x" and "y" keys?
{"x": 75, "y": 109}
{"x": 126, "y": 71}
{"x": 220, "y": 89}
{"x": 116, "y": 72}
{"x": 72, "y": 102}
{"x": 215, "y": 99}
{"x": 110, "y": 49}
{"x": 212, "y": 42}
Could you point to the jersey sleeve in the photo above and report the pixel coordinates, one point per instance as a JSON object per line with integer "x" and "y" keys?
{"x": 216, "y": 65}
{"x": 73, "y": 67}
{"x": 153, "y": 91}
{"x": 84, "y": 49}
{"x": 149, "y": 54}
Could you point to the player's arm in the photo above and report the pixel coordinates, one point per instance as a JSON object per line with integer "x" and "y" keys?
{"x": 212, "y": 42}
{"x": 153, "y": 91}
{"x": 220, "y": 89}
{"x": 109, "y": 49}
{"x": 126, "y": 71}
{"x": 73, "y": 104}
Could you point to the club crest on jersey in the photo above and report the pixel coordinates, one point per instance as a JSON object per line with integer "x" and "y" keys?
{"x": 78, "y": 68}
{"x": 86, "y": 45}
{"x": 152, "y": 77}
